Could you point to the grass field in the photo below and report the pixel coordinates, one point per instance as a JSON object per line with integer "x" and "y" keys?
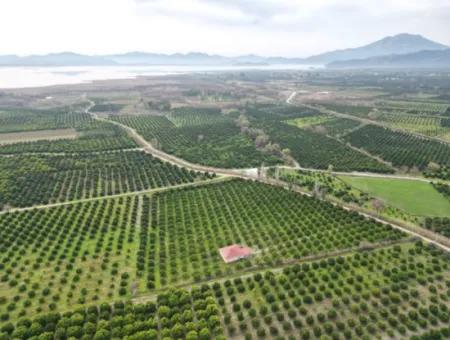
{"x": 30, "y": 136}
{"x": 309, "y": 121}
{"x": 414, "y": 197}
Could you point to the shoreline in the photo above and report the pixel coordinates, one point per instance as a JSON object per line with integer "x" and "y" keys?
{"x": 24, "y": 77}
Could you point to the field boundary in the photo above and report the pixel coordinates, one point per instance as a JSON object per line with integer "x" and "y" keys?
{"x": 374, "y": 122}
{"x": 425, "y": 235}
{"x": 124, "y": 194}
{"x": 140, "y": 298}
{"x": 9, "y": 138}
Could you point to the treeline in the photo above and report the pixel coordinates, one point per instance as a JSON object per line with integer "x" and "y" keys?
{"x": 28, "y": 180}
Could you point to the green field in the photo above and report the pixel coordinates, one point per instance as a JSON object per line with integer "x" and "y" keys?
{"x": 414, "y": 197}
{"x": 309, "y": 121}
{"x": 101, "y": 239}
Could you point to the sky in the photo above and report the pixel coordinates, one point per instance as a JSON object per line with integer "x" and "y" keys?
{"x": 292, "y": 28}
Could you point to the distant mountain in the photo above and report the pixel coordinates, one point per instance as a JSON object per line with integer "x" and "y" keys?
{"x": 142, "y": 58}
{"x": 422, "y": 59}
{"x": 398, "y": 44}
{"x": 55, "y": 59}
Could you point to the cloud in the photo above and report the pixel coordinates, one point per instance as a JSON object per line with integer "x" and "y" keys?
{"x": 302, "y": 16}
{"x": 230, "y": 27}
{"x": 259, "y": 10}
{"x": 218, "y": 12}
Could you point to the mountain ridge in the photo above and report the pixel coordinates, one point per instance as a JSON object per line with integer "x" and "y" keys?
{"x": 421, "y": 59}
{"x": 54, "y": 59}
{"x": 399, "y": 44}
{"x": 403, "y": 43}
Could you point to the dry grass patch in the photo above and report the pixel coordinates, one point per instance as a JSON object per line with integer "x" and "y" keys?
{"x": 30, "y": 136}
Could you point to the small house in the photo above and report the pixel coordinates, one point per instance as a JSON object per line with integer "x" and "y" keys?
{"x": 235, "y": 252}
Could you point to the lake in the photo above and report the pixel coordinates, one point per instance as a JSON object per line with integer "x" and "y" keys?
{"x": 19, "y": 77}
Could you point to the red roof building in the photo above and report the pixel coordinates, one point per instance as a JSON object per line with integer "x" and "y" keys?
{"x": 234, "y": 253}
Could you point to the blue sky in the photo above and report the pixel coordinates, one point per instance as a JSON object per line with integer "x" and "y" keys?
{"x": 228, "y": 27}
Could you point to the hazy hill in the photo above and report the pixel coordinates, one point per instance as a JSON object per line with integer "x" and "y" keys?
{"x": 142, "y": 58}
{"x": 422, "y": 59}
{"x": 55, "y": 59}
{"x": 398, "y": 44}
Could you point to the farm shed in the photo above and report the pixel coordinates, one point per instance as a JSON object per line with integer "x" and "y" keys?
{"x": 235, "y": 252}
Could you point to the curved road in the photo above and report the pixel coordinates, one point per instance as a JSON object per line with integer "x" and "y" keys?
{"x": 424, "y": 234}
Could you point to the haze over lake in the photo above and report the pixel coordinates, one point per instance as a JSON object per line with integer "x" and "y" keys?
{"x": 19, "y": 77}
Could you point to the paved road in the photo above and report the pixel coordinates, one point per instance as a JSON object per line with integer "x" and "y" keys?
{"x": 291, "y": 96}
{"x": 149, "y": 148}
{"x": 424, "y": 234}
{"x": 416, "y": 231}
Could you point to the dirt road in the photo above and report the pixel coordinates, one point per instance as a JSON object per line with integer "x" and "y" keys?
{"x": 424, "y": 234}
{"x": 124, "y": 194}
{"x": 375, "y": 122}
{"x": 292, "y": 96}
{"x": 358, "y": 174}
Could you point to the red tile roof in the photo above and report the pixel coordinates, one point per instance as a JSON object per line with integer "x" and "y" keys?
{"x": 235, "y": 252}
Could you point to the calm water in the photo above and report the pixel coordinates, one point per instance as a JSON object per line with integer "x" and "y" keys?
{"x": 17, "y": 77}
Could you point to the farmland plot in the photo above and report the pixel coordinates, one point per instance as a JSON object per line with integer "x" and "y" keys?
{"x": 72, "y": 255}
{"x": 280, "y": 225}
{"x": 311, "y": 147}
{"x": 17, "y": 120}
{"x": 401, "y": 149}
{"x": 390, "y": 293}
{"x": 443, "y": 172}
{"x": 29, "y": 180}
{"x": 397, "y": 292}
{"x": 332, "y": 126}
{"x": 415, "y": 107}
{"x": 415, "y": 198}
{"x": 338, "y": 127}
{"x": 315, "y": 150}
{"x": 92, "y": 135}
{"x": 425, "y": 125}
{"x": 178, "y": 314}
{"x": 67, "y": 256}
{"x": 354, "y": 110}
{"x": 16, "y": 137}
{"x": 217, "y": 141}
{"x": 439, "y": 225}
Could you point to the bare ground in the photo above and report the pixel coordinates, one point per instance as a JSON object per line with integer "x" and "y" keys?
{"x": 30, "y": 136}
